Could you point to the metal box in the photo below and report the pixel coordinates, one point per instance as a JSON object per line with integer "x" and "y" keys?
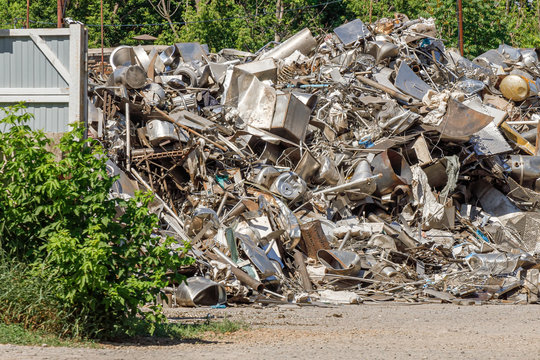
{"x": 291, "y": 118}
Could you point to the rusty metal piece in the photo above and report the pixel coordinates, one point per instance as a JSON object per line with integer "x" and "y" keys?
{"x": 461, "y": 121}
{"x": 313, "y": 238}
{"x": 340, "y": 262}
{"x": 394, "y": 170}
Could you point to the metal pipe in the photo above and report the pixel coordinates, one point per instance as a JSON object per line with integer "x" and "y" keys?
{"x": 537, "y": 146}
{"x": 522, "y": 122}
{"x": 266, "y": 291}
{"x": 222, "y": 203}
{"x": 460, "y": 25}
{"x": 347, "y": 185}
{"x": 269, "y": 247}
{"x": 102, "y": 60}
{"x": 386, "y": 89}
{"x": 347, "y": 237}
{"x": 59, "y": 13}
{"x": 128, "y": 138}
{"x": 28, "y": 14}
{"x": 302, "y": 271}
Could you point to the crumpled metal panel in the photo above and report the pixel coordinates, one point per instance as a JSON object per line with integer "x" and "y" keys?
{"x": 352, "y": 31}
{"x": 192, "y": 51}
{"x": 462, "y": 121}
{"x": 408, "y": 82}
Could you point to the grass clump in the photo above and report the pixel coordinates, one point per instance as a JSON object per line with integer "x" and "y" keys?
{"x": 16, "y": 334}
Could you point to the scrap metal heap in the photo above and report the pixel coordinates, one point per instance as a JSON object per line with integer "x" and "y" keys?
{"x": 368, "y": 164}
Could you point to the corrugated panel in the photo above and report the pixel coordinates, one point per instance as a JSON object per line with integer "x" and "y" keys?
{"x": 23, "y": 65}
{"x": 49, "y": 117}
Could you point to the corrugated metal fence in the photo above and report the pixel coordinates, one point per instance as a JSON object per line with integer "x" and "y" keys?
{"x": 46, "y": 68}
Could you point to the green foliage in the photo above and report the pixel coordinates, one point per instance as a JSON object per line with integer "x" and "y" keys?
{"x": 486, "y": 24}
{"x": 250, "y": 24}
{"x": 59, "y": 219}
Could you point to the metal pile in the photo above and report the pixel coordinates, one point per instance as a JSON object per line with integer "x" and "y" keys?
{"x": 365, "y": 165}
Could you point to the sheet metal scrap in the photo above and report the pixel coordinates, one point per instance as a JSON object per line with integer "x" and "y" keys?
{"x": 336, "y": 169}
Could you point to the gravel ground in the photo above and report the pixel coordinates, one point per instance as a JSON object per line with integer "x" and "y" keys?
{"x": 381, "y": 331}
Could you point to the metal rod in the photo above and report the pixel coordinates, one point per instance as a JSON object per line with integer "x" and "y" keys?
{"x": 102, "y": 61}
{"x": 386, "y": 89}
{"x": 347, "y": 236}
{"x": 522, "y": 122}
{"x": 59, "y": 13}
{"x": 266, "y": 291}
{"x": 222, "y": 203}
{"x": 128, "y": 138}
{"x": 537, "y": 140}
{"x": 460, "y": 25}
{"x": 28, "y": 14}
{"x": 347, "y": 185}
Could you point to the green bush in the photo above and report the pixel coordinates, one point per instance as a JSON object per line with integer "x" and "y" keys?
{"x": 100, "y": 254}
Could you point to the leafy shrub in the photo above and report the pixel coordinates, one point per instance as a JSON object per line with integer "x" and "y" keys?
{"x": 60, "y": 219}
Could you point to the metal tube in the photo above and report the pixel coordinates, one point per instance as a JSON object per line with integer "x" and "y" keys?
{"x": 522, "y": 122}
{"x": 342, "y": 244}
{"x": 102, "y": 60}
{"x": 28, "y": 14}
{"x": 222, "y": 203}
{"x": 391, "y": 92}
{"x": 59, "y": 13}
{"x": 270, "y": 245}
{"x": 347, "y": 185}
{"x": 460, "y": 26}
{"x": 128, "y": 138}
{"x": 302, "y": 271}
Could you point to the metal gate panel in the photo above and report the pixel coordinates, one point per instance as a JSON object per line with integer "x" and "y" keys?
{"x": 46, "y": 68}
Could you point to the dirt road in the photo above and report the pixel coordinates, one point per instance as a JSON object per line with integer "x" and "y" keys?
{"x": 388, "y": 331}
